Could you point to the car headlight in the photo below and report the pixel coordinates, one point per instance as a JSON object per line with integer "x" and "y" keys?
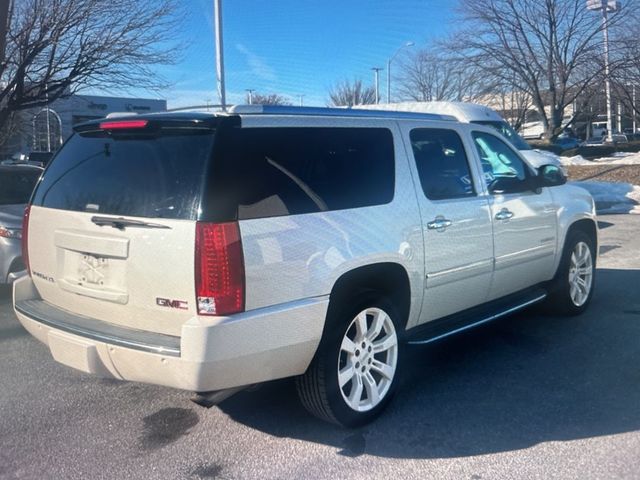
{"x": 7, "y": 232}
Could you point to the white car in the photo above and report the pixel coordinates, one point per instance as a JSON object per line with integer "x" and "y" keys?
{"x": 480, "y": 115}
{"x": 211, "y": 252}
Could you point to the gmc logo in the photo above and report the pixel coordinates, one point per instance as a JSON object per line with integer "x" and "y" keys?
{"x": 165, "y": 302}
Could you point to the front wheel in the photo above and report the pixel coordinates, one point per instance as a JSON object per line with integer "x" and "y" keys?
{"x": 355, "y": 371}
{"x": 572, "y": 289}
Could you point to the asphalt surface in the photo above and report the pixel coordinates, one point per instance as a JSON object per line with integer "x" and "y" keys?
{"x": 530, "y": 396}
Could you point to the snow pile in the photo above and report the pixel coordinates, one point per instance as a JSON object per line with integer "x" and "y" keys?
{"x": 577, "y": 160}
{"x": 618, "y": 158}
{"x": 613, "y": 197}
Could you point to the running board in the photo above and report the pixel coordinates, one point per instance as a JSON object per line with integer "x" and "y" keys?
{"x": 460, "y": 322}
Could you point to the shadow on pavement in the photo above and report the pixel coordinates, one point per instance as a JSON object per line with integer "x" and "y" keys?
{"x": 523, "y": 380}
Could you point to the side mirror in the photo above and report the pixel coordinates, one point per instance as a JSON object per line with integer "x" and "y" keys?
{"x": 549, "y": 176}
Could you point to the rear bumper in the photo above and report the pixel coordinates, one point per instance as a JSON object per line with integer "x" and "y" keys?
{"x": 212, "y": 353}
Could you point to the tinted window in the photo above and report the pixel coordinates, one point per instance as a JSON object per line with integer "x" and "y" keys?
{"x": 500, "y": 164}
{"x": 157, "y": 176}
{"x": 266, "y": 172}
{"x": 16, "y": 185}
{"x": 442, "y": 163}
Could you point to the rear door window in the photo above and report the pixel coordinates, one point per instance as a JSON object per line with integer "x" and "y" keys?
{"x": 155, "y": 176}
{"x": 268, "y": 172}
{"x": 442, "y": 163}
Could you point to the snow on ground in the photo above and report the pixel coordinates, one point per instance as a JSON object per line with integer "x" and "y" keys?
{"x": 610, "y": 197}
{"x": 613, "y": 197}
{"x": 618, "y": 158}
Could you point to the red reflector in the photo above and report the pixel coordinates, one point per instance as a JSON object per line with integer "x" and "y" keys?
{"x": 123, "y": 124}
{"x": 25, "y": 238}
{"x": 219, "y": 269}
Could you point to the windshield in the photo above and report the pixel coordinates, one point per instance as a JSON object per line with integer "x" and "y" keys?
{"x": 16, "y": 186}
{"x": 507, "y": 132}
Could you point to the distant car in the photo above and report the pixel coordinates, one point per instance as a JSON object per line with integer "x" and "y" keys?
{"x": 40, "y": 158}
{"x": 567, "y": 143}
{"x": 16, "y": 185}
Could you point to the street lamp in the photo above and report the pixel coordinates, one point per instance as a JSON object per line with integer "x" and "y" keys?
{"x": 606, "y": 6}
{"x": 376, "y": 72}
{"x": 408, "y": 44}
{"x": 250, "y": 93}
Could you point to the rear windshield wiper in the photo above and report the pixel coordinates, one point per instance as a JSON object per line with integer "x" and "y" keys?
{"x": 122, "y": 223}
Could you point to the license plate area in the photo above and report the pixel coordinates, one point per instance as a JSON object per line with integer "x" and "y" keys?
{"x": 94, "y": 267}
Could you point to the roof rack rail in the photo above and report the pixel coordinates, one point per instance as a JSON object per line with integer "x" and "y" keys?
{"x": 209, "y": 108}
{"x": 334, "y": 112}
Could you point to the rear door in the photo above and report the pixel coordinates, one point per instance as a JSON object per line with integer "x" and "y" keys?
{"x": 112, "y": 223}
{"x": 456, "y": 222}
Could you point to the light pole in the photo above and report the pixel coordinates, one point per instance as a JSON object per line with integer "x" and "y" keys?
{"x": 250, "y": 92}
{"x": 301, "y": 96}
{"x": 633, "y": 105}
{"x": 376, "y": 72}
{"x": 408, "y": 44}
{"x": 606, "y": 6}
{"x": 222, "y": 95}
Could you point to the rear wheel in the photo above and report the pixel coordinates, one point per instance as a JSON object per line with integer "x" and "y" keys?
{"x": 572, "y": 289}
{"x": 355, "y": 370}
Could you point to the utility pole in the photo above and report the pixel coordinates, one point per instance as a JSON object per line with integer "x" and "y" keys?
{"x": 217, "y": 13}
{"x": 634, "y": 109}
{"x": 376, "y": 73}
{"x": 606, "y": 6}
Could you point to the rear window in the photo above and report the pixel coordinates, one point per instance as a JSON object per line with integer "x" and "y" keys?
{"x": 157, "y": 176}
{"x": 269, "y": 172}
{"x": 16, "y": 185}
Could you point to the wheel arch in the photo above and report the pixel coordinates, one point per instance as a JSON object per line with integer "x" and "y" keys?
{"x": 387, "y": 278}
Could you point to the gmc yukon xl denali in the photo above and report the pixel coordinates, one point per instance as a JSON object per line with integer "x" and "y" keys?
{"x": 208, "y": 252}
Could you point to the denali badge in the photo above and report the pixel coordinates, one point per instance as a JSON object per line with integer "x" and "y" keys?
{"x": 43, "y": 276}
{"x": 165, "y": 302}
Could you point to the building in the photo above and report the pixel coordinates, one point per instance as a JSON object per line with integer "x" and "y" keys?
{"x": 46, "y": 129}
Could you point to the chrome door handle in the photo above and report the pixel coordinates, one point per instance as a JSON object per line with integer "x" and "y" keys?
{"x": 504, "y": 214}
{"x": 439, "y": 224}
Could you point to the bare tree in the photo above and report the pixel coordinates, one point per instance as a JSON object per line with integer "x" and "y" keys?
{"x": 56, "y": 47}
{"x": 347, "y": 94}
{"x": 552, "y": 47}
{"x": 267, "y": 99}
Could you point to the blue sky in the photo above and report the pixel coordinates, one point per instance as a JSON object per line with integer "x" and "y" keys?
{"x": 294, "y": 47}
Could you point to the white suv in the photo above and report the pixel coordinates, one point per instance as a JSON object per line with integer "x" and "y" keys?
{"x": 208, "y": 252}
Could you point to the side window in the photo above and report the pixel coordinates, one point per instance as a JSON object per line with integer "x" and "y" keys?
{"x": 269, "y": 172}
{"x": 503, "y": 170}
{"x": 442, "y": 163}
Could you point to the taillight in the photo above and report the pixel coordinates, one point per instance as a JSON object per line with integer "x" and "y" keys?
{"x": 219, "y": 269}
{"x": 25, "y": 238}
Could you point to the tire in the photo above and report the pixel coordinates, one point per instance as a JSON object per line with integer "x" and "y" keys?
{"x": 365, "y": 390}
{"x": 571, "y": 291}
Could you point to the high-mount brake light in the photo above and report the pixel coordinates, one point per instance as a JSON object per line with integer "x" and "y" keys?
{"x": 123, "y": 124}
{"x": 219, "y": 264}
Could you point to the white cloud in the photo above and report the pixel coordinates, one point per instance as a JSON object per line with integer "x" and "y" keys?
{"x": 258, "y": 65}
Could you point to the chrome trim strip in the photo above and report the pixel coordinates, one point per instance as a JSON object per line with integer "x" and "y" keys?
{"x": 480, "y": 322}
{"x": 530, "y": 254}
{"x": 120, "y": 336}
{"x": 471, "y": 266}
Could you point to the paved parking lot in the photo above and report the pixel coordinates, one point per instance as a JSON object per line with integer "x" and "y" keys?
{"x": 530, "y": 396}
